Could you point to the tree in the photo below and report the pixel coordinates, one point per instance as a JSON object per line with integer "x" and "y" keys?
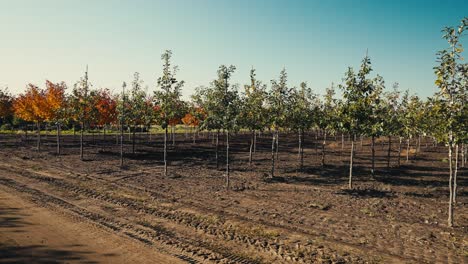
{"x": 391, "y": 125}
{"x": 277, "y": 101}
{"x": 168, "y": 98}
{"x": 122, "y": 106}
{"x": 106, "y": 106}
{"x": 28, "y": 106}
{"x": 253, "y": 113}
{"x": 137, "y": 106}
{"x": 301, "y": 115}
{"x": 55, "y": 108}
{"x": 356, "y": 110}
{"x": 84, "y": 109}
{"x": 452, "y": 79}
{"x": 327, "y": 117}
{"x": 374, "y": 124}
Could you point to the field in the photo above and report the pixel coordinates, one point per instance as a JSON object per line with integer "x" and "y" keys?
{"x": 60, "y": 209}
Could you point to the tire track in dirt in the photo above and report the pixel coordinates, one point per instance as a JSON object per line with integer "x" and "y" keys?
{"x": 201, "y": 249}
{"x": 285, "y": 252}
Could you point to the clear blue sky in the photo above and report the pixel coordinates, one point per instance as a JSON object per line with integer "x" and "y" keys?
{"x": 315, "y": 40}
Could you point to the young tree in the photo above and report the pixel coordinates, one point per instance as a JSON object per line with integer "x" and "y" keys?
{"x": 253, "y": 113}
{"x": 122, "y": 106}
{"x": 55, "y": 108}
{"x": 84, "y": 110}
{"x": 106, "y": 106}
{"x": 29, "y": 107}
{"x": 137, "y": 106}
{"x": 390, "y": 123}
{"x": 301, "y": 116}
{"x": 210, "y": 100}
{"x": 356, "y": 110}
{"x": 230, "y": 103}
{"x": 168, "y": 98}
{"x": 277, "y": 101}
{"x": 374, "y": 124}
{"x": 327, "y": 117}
{"x": 451, "y": 79}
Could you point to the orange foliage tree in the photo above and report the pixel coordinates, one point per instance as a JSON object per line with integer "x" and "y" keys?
{"x": 28, "y": 107}
{"x": 106, "y": 106}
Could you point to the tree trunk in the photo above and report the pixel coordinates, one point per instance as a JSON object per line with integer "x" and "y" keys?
{"x": 342, "y": 141}
{"x": 58, "y": 138}
{"x": 217, "y": 146}
{"x": 251, "y": 147}
{"x": 38, "y": 136}
{"x": 399, "y": 152}
{"x": 450, "y": 212}
{"x": 418, "y": 149}
{"x": 121, "y": 145}
{"x": 133, "y": 140}
{"x": 407, "y": 149}
{"x": 228, "y": 183}
{"x": 299, "y": 154}
{"x": 373, "y": 156}
{"x": 350, "y": 184}
{"x": 273, "y": 141}
{"x": 389, "y": 152}
{"x": 81, "y": 140}
{"x": 277, "y": 146}
{"x": 463, "y": 150}
{"x": 323, "y": 148}
{"x": 255, "y": 142}
{"x": 455, "y": 175}
{"x": 165, "y": 152}
{"x": 173, "y": 136}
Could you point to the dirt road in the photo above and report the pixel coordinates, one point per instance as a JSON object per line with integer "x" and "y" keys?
{"x": 31, "y": 234}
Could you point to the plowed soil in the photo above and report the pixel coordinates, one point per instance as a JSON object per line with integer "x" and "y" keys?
{"x": 57, "y": 209}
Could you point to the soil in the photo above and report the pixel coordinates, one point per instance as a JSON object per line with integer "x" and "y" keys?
{"x": 60, "y": 209}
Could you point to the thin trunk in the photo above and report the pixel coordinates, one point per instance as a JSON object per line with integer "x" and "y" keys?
{"x": 399, "y": 152}
{"x": 273, "y": 141}
{"x": 217, "y": 145}
{"x": 389, "y": 152}
{"x": 450, "y": 212}
{"x": 38, "y": 136}
{"x": 373, "y": 156}
{"x": 277, "y": 146}
{"x": 455, "y": 175}
{"x": 165, "y": 152}
{"x": 407, "y": 149}
{"x": 302, "y": 150}
{"x": 463, "y": 155}
{"x": 228, "y": 183}
{"x": 173, "y": 136}
{"x": 81, "y": 140}
{"x": 121, "y": 144}
{"x": 133, "y": 140}
{"x": 255, "y": 142}
{"x": 251, "y": 147}
{"x": 360, "y": 137}
{"x": 350, "y": 184}
{"x": 418, "y": 149}
{"x": 58, "y": 138}
{"x": 300, "y": 156}
{"x": 323, "y": 148}
{"x": 342, "y": 141}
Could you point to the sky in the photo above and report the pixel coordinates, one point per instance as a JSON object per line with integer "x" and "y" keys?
{"x": 314, "y": 40}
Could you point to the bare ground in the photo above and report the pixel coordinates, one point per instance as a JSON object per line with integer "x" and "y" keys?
{"x": 94, "y": 211}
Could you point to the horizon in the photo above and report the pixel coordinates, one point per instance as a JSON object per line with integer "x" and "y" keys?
{"x": 315, "y": 41}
